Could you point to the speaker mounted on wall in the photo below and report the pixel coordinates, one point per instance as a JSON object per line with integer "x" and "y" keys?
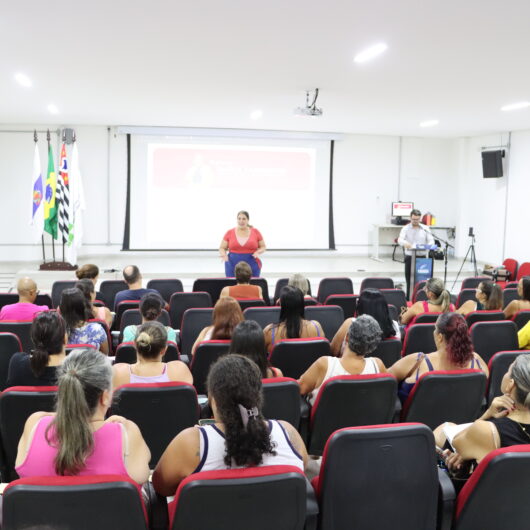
{"x": 492, "y": 164}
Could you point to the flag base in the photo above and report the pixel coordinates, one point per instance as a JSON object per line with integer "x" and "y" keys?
{"x": 57, "y": 266}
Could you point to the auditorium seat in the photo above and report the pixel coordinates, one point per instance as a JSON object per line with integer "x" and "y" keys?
{"x": 166, "y": 287}
{"x": 508, "y": 295}
{"x": 57, "y": 290}
{"x": 382, "y": 477}
{"x": 105, "y": 502}
{"x": 126, "y": 353}
{"x": 483, "y": 315}
{"x": 348, "y": 302}
{"x": 193, "y": 322}
{"x": 245, "y": 304}
{"x": 281, "y": 400}
{"x": 69, "y": 348}
{"x": 496, "y": 494}
{"x": 491, "y": 337}
{"x": 205, "y": 355}
{"x": 498, "y": 365}
{"x": 396, "y": 297}
{"x": 263, "y": 315}
{"x": 376, "y": 282}
{"x": 418, "y": 294}
{"x": 425, "y": 318}
{"x": 9, "y": 345}
{"x": 161, "y": 411}
{"x": 22, "y": 329}
{"x": 108, "y": 290}
{"x": 511, "y": 265}
{"x": 329, "y": 286}
{"x": 445, "y": 395}
{"x": 308, "y": 301}
{"x": 473, "y": 282}
{"x": 330, "y": 318}
{"x": 348, "y": 401}
{"x": 180, "y": 302}
{"x": 388, "y": 350}
{"x": 17, "y": 403}
{"x": 511, "y": 285}
{"x": 464, "y": 295}
{"x": 120, "y": 309}
{"x": 419, "y": 338}
{"x": 521, "y": 318}
{"x": 257, "y": 498}
{"x": 8, "y": 299}
{"x": 294, "y": 356}
{"x": 524, "y": 270}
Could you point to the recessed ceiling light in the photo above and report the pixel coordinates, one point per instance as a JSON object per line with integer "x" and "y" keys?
{"x": 516, "y": 106}
{"x": 23, "y": 80}
{"x": 52, "y": 109}
{"x": 256, "y": 114}
{"x": 429, "y": 123}
{"x": 370, "y": 53}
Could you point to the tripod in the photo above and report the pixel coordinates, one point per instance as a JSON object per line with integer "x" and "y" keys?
{"x": 472, "y": 256}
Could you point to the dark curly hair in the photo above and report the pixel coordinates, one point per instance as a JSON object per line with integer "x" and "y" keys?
{"x": 453, "y": 328}
{"x": 235, "y": 380}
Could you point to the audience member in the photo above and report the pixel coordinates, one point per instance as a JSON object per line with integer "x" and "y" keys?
{"x": 76, "y": 312}
{"x": 89, "y": 271}
{"x": 523, "y": 336}
{"x": 292, "y": 324}
{"x": 371, "y": 302}
{"x": 488, "y": 297}
{"x": 454, "y": 351}
{"x": 438, "y": 301}
{"x": 39, "y": 368}
{"x": 25, "y": 308}
{"x": 505, "y": 423}
{"x": 86, "y": 286}
{"x": 248, "y": 340}
{"x": 77, "y": 440}
{"x": 362, "y": 338}
{"x": 135, "y": 291}
{"x": 151, "y": 345}
{"x": 523, "y": 289}
{"x": 227, "y": 315}
{"x": 241, "y": 437}
{"x": 243, "y": 290}
{"x": 151, "y": 305}
{"x": 300, "y": 281}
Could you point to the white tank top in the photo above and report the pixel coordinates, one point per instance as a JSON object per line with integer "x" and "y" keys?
{"x": 335, "y": 368}
{"x": 212, "y": 449}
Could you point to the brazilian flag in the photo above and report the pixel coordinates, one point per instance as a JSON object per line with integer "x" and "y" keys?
{"x": 50, "y": 206}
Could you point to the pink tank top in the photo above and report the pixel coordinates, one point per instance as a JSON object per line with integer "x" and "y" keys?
{"x": 162, "y": 378}
{"x": 106, "y": 459}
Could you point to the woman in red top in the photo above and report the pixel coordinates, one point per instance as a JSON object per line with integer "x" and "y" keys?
{"x": 242, "y": 243}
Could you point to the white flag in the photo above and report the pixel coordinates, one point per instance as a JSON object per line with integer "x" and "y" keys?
{"x": 37, "y": 206}
{"x": 77, "y": 206}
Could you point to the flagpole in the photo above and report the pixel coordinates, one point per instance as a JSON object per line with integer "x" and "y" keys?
{"x": 48, "y": 138}
{"x": 36, "y": 139}
{"x": 64, "y": 141}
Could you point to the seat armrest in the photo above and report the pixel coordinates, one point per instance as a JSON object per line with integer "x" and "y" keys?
{"x": 156, "y": 506}
{"x": 446, "y": 501}
{"x": 312, "y": 509}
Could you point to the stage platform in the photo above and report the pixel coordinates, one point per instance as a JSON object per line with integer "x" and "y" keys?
{"x": 189, "y": 265}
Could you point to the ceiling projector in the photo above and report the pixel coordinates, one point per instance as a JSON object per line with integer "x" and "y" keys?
{"x": 310, "y": 108}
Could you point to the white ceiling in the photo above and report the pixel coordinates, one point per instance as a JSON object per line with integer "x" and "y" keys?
{"x": 209, "y": 63}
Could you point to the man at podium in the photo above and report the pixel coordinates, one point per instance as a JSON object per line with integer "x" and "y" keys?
{"x": 412, "y": 236}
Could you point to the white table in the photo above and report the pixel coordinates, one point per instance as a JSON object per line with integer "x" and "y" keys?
{"x": 387, "y": 235}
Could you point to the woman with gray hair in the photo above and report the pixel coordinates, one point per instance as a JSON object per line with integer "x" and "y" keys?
{"x": 505, "y": 423}
{"x": 77, "y": 439}
{"x": 362, "y": 339}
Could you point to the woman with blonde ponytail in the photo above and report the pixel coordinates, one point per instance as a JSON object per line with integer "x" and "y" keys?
{"x": 76, "y": 439}
{"x": 240, "y": 437}
{"x": 505, "y": 423}
{"x": 438, "y": 301}
{"x": 151, "y": 345}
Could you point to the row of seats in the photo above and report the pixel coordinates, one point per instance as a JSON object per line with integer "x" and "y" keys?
{"x": 380, "y": 476}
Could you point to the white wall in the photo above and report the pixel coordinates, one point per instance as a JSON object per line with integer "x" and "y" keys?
{"x": 443, "y": 176}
